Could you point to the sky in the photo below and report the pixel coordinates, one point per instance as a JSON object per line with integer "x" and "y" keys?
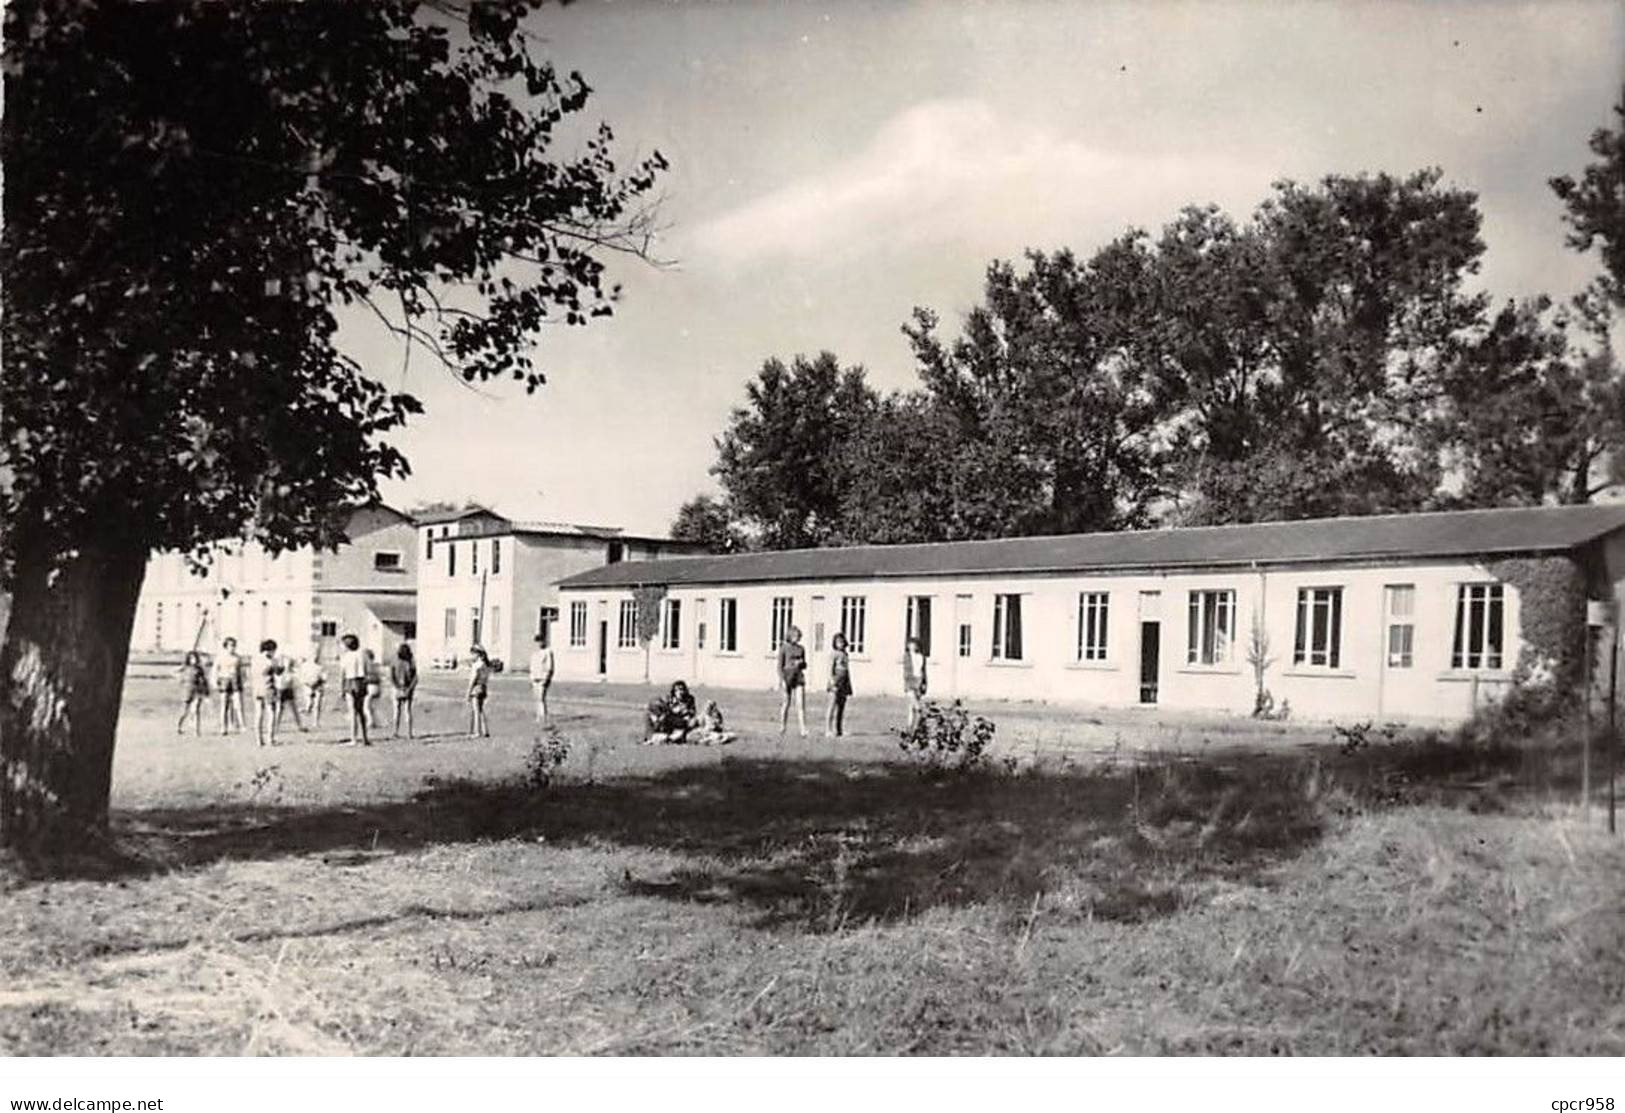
{"x": 835, "y": 164}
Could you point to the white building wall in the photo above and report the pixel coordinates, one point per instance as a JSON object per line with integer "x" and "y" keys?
{"x": 1363, "y": 685}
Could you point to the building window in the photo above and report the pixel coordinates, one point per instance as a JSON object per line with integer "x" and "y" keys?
{"x": 727, "y": 625}
{"x": 1319, "y": 640}
{"x": 578, "y": 624}
{"x": 428, "y": 545}
{"x": 1401, "y": 611}
{"x": 1479, "y": 614}
{"x": 917, "y": 623}
{"x": 671, "y": 624}
{"x": 474, "y": 627}
{"x": 451, "y": 625}
{"x": 1007, "y": 628}
{"x": 854, "y": 618}
{"x": 1092, "y": 625}
{"x": 699, "y": 623}
{"x": 496, "y": 556}
{"x": 545, "y": 618}
{"x": 473, "y": 558}
{"x": 1212, "y": 627}
{"x": 628, "y": 633}
{"x": 158, "y": 625}
{"x": 451, "y": 558}
{"x": 616, "y": 553}
{"x": 784, "y": 614}
{"x": 386, "y": 560}
{"x": 327, "y": 628}
{"x": 495, "y": 629}
{"x": 964, "y": 639}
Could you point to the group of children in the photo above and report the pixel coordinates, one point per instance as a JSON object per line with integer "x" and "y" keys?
{"x": 276, "y": 679}
{"x": 792, "y": 676}
{"x": 674, "y": 720}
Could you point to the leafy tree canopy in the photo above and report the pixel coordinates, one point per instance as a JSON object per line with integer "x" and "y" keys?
{"x": 193, "y": 190}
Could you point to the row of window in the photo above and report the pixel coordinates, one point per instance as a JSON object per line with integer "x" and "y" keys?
{"x": 494, "y": 567}
{"x": 1211, "y": 626}
{"x": 481, "y": 629}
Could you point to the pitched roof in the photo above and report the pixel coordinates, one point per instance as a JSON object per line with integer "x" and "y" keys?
{"x": 1447, "y": 534}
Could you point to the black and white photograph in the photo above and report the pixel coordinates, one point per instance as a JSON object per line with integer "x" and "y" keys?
{"x": 603, "y": 534}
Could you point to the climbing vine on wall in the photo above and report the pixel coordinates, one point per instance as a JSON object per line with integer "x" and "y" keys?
{"x": 1552, "y": 614}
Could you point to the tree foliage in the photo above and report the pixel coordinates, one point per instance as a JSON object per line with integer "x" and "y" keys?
{"x": 194, "y": 192}
{"x": 1596, "y": 206}
{"x": 783, "y": 458}
{"x": 707, "y": 521}
{"x": 1329, "y": 355}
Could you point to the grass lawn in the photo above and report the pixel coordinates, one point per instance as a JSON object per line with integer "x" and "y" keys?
{"x": 1137, "y": 885}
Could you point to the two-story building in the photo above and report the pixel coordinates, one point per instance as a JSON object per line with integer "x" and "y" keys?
{"x": 1416, "y": 616}
{"x": 304, "y": 599}
{"x": 488, "y": 580}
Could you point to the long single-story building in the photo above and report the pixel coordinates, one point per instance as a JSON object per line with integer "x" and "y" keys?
{"x": 1393, "y": 617}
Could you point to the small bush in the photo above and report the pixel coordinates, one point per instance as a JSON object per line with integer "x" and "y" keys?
{"x": 948, "y": 737}
{"x": 549, "y": 751}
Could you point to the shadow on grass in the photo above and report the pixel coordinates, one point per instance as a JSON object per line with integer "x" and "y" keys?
{"x": 815, "y": 844}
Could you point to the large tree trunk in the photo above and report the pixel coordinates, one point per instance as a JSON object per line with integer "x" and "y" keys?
{"x": 62, "y": 668}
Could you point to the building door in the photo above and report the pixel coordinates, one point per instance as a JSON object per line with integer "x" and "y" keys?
{"x": 1150, "y": 650}
{"x": 603, "y": 647}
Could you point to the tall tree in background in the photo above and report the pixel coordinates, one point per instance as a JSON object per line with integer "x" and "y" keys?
{"x": 707, "y": 521}
{"x": 1061, "y": 422}
{"x": 782, "y": 459}
{"x": 1305, "y": 350}
{"x": 191, "y": 190}
{"x": 1596, "y": 207}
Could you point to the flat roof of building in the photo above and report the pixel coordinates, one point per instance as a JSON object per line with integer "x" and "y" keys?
{"x": 1460, "y": 533}
{"x": 531, "y": 526}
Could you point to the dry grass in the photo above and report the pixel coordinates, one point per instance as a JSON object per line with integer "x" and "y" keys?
{"x": 773, "y": 898}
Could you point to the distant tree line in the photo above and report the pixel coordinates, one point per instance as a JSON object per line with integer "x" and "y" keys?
{"x": 1326, "y": 356}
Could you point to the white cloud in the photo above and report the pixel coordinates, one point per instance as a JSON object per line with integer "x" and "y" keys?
{"x": 953, "y": 172}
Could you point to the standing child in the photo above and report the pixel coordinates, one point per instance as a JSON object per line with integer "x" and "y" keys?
{"x": 286, "y": 697}
{"x": 541, "y": 675}
{"x": 353, "y": 672}
{"x": 403, "y": 679}
{"x": 195, "y": 690}
{"x": 792, "y": 663}
{"x": 375, "y": 687}
{"x": 313, "y": 679}
{"x": 228, "y": 681}
{"x": 267, "y": 700}
{"x": 913, "y": 679}
{"x": 479, "y": 680}
{"x": 840, "y": 686}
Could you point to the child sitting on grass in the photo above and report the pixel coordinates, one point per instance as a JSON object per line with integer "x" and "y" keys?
{"x": 711, "y": 731}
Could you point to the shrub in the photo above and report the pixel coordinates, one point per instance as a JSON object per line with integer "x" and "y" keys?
{"x": 948, "y": 737}
{"x": 549, "y": 751}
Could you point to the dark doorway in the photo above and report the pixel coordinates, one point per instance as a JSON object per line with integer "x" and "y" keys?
{"x": 1150, "y": 649}
{"x": 603, "y": 648}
